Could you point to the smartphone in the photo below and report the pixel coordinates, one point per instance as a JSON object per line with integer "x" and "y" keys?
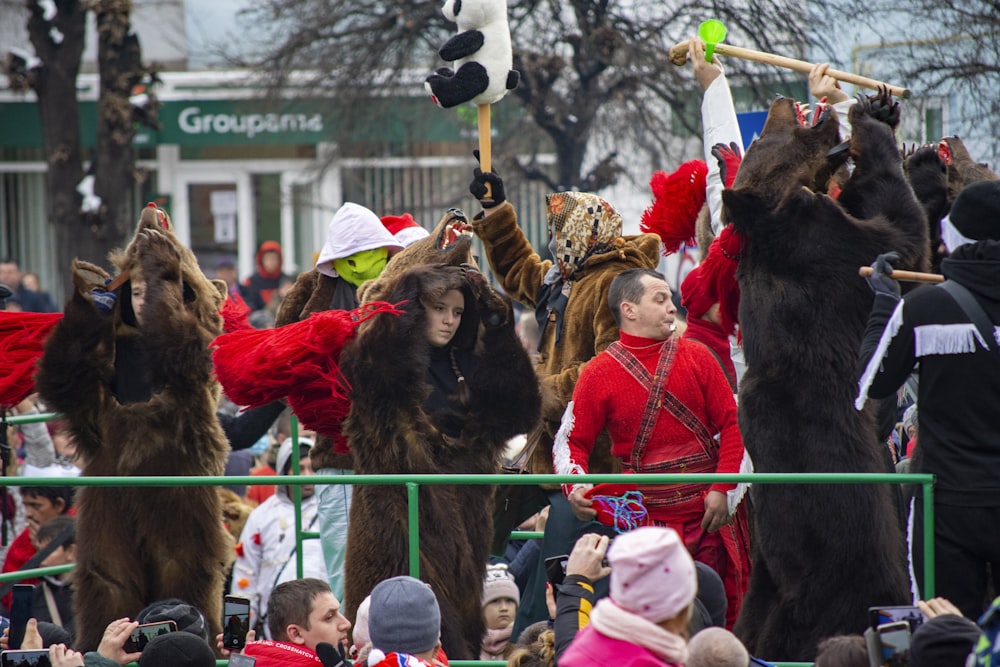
{"x": 235, "y": 621}
{"x": 20, "y": 612}
{"x": 30, "y": 658}
{"x": 555, "y": 567}
{"x": 240, "y": 660}
{"x": 894, "y": 640}
{"x": 892, "y": 613}
{"x": 146, "y": 633}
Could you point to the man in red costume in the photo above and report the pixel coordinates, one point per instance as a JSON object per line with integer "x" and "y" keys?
{"x": 663, "y": 401}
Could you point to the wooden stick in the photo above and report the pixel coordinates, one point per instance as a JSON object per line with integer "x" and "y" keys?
{"x": 679, "y": 55}
{"x": 910, "y": 276}
{"x": 485, "y": 156}
{"x": 119, "y": 281}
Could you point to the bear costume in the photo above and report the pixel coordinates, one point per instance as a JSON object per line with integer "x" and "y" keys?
{"x": 141, "y": 400}
{"x": 402, "y": 422}
{"x": 822, "y": 554}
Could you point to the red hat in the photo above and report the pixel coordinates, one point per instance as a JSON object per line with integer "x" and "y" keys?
{"x": 404, "y": 228}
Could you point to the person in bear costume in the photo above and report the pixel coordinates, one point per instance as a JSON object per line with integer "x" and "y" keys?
{"x": 133, "y": 376}
{"x": 802, "y": 312}
{"x": 423, "y": 404}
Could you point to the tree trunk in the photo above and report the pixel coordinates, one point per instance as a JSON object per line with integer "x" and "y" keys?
{"x": 59, "y": 44}
{"x": 120, "y": 67}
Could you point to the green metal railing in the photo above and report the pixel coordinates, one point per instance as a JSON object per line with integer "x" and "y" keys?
{"x": 413, "y": 483}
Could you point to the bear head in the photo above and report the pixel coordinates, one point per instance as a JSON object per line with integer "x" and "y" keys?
{"x": 203, "y": 298}
{"x": 472, "y": 14}
{"x": 450, "y": 243}
{"x": 794, "y": 150}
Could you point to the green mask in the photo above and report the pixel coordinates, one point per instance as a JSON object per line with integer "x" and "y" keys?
{"x": 362, "y": 266}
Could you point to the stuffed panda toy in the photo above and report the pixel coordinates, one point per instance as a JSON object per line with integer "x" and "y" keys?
{"x": 481, "y": 52}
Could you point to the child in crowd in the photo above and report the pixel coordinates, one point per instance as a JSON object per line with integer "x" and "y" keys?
{"x": 645, "y": 619}
{"x": 500, "y": 600}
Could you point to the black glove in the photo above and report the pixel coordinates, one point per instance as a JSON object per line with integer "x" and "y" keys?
{"x": 478, "y": 186}
{"x": 880, "y": 280}
{"x": 332, "y": 657}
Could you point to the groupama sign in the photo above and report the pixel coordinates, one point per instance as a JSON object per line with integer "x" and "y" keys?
{"x": 257, "y": 121}
{"x": 222, "y": 122}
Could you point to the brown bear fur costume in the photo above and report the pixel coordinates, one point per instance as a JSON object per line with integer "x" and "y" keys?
{"x": 937, "y": 173}
{"x": 822, "y": 554}
{"x": 141, "y": 400}
{"x": 390, "y": 432}
{"x": 450, "y": 243}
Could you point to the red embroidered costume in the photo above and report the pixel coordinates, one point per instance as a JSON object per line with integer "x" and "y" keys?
{"x": 697, "y": 406}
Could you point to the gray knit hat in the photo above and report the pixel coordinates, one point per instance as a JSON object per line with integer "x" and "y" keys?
{"x": 404, "y": 616}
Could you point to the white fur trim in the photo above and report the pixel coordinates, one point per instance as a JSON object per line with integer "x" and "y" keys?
{"x": 946, "y": 339}
{"x": 734, "y": 496}
{"x": 909, "y": 543}
{"x": 871, "y": 370}
{"x": 562, "y": 461}
{"x": 375, "y": 657}
{"x": 411, "y": 235}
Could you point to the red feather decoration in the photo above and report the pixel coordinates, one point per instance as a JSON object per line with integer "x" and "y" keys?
{"x": 677, "y": 199}
{"x": 298, "y": 361}
{"x": 22, "y": 339}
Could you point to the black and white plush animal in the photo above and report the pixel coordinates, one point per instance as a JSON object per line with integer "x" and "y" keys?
{"x": 481, "y": 52}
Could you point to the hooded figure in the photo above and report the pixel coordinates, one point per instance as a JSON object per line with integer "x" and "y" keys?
{"x": 265, "y": 556}
{"x": 260, "y": 288}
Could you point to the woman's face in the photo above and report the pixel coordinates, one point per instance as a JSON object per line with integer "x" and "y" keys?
{"x": 443, "y": 317}
{"x": 138, "y": 298}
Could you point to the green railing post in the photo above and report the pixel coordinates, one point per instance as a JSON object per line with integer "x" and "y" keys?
{"x": 413, "y": 514}
{"x": 929, "y": 584}
{"x": 297, "y": 495}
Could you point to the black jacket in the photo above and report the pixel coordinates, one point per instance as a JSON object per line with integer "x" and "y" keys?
{"x": 958, "y": 433}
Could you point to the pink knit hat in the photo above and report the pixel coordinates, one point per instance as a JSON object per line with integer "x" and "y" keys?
{"x": 652, "y": 574}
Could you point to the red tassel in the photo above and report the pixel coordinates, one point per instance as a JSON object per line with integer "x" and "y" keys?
{"x": 297, "y": 361}
{"x": 22, "y": 339}
{"x": 235, "y": 314}
{"x": 677, "y": 200}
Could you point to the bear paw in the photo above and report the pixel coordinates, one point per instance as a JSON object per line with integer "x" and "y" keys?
{"x": 880, "y": 106}
{"x": 158, "y": 254}
{"x": 87, "y": 276}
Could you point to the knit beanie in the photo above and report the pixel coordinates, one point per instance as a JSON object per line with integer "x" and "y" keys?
{"x": 187, "y": 618}
{"x": 404, "y": 228}
{"x": 177, "y": 649}
{"x": 404, "y": 616}
{"x": 499, "y": 583}
{"x": 975, "y": 215}
{"x": 943, "y": 641}
{"x": 652, "y": 574}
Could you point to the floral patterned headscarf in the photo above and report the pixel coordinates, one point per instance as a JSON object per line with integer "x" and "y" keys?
{"x": 579, "y": 223}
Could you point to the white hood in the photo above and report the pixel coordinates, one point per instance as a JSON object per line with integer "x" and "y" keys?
{"x": 285, "y": 453}
{"x": 352, "y": 229}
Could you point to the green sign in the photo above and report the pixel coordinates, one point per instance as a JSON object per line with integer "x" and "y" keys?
{"x": 258, "y": 121}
